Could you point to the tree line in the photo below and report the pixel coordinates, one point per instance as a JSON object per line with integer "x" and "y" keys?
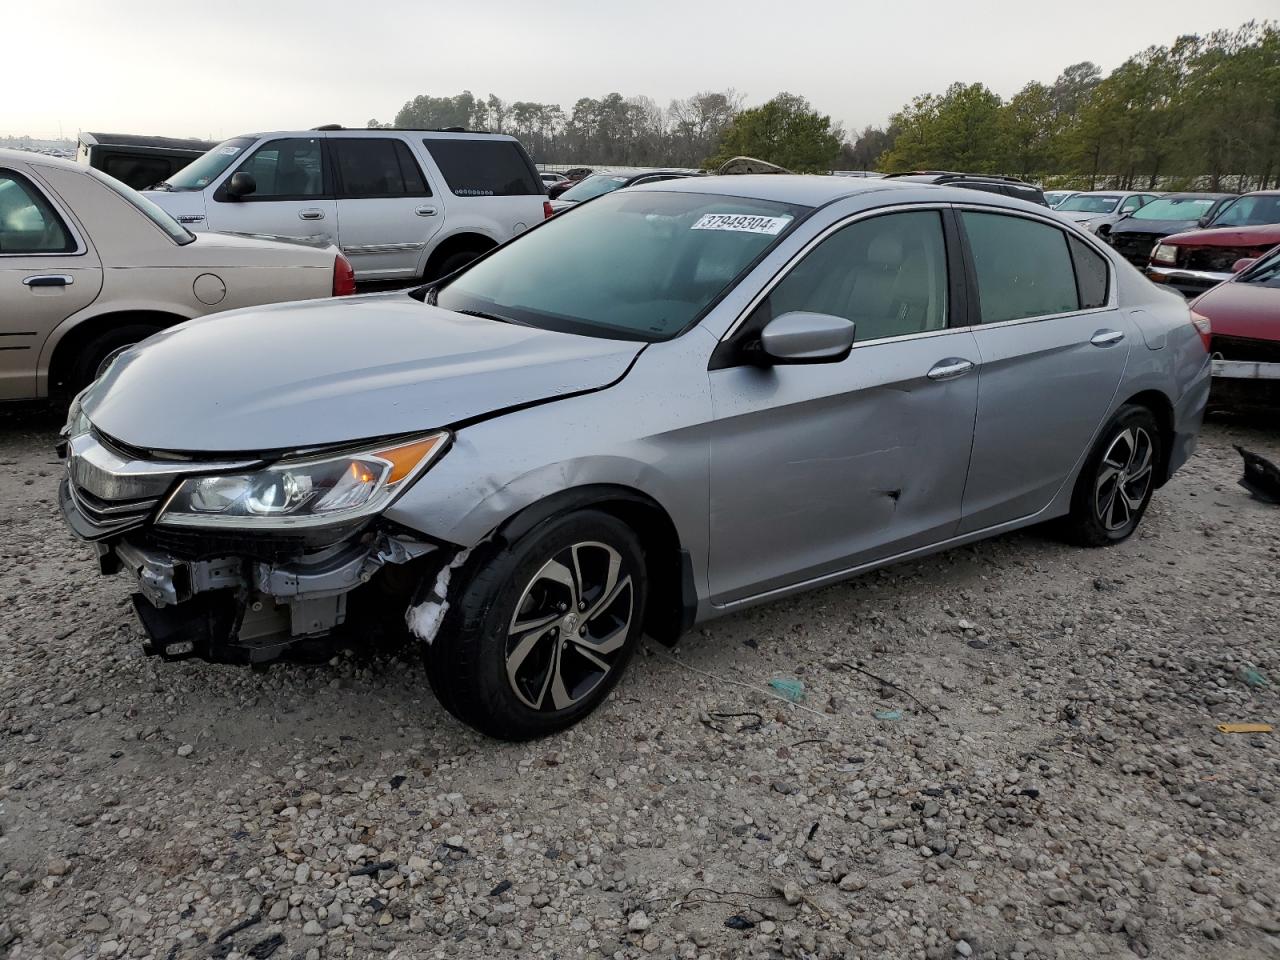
{"x": 1203, "y": 111}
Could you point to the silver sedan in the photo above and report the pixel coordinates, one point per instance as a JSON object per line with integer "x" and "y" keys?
{"x": 742, "y": 388}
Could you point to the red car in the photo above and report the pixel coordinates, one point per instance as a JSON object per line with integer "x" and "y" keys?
{"x": 1194, "y": 261}
{"x": 1244, "y": 322}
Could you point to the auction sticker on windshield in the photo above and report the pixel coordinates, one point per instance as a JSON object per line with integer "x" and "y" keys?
{"x": 742, "y": 223}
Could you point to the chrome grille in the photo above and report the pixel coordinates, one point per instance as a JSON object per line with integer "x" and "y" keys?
{"x": 114, "y": 490}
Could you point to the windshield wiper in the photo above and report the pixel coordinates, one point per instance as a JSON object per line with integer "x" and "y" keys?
{"x": 494, "y": 316}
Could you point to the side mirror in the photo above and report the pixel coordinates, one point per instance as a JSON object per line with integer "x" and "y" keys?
{"x": 802, "y": 337}
{"x": 1203, "y": 221}
{"x": 1243, "y": 264}
{"x": 241, "y": 185}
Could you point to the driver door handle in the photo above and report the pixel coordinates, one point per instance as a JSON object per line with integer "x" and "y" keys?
{"x": 311, "y": 213}
{"x": 950, "y": 368}
{"x": 1105, "y": 338}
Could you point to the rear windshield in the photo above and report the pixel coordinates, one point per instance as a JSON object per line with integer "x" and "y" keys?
{"x": 484, "y": 168}
{"x": 1249, "y": 212}
{"x": 1173, "y": 208}
{"x": 594, "y": 186}
{"x": 203, "y": 170}
{"x": 643, "y": 266}
{"x": 176, "y": 231}
{"x": 1085, "y": 203}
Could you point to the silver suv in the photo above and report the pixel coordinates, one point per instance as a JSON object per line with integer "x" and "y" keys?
{"x": 401, "y": 204}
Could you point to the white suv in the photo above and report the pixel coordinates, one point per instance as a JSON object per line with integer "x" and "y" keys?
{"x": 400, "y": 204}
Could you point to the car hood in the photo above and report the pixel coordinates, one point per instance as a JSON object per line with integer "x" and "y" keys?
{"x": 327, "y": 372}
{"x": 186, "y": 205}
{"x": 1239, "y": 309}
{"x": 1267, "y": 235}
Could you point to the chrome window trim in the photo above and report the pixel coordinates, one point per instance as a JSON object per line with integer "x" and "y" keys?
{"x": 1102, "y": 250}
{"x": 68, "y": 222}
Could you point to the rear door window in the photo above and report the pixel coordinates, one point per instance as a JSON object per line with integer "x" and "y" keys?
{"x": 28, "y": 224}
{"x": 289, "y": 169}
{"x": 1024, "y": 267}
{"x": 376, "y": 167}
{"x": 1093, "y": 278}
{"x": 484, "y": 168}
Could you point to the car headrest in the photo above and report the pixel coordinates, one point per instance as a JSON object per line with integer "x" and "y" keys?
{"x": 885, "y": 250}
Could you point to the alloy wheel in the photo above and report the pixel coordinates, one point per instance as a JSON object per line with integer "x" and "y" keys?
{"x": 1124, "y": 477}
{"x": 569, "y": 627}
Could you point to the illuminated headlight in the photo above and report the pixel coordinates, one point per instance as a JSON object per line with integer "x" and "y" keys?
{"x": 304, "y": 492}
{"x": 1165, "y": 253}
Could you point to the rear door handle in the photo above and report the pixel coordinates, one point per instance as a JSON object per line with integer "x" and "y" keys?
{"x": 426, "y": 211}
{"x": 49, "y": 280}
{"x": 311, "y": 214}
{"x": 950, "y": 368}
{"x": 1105, "y": 338}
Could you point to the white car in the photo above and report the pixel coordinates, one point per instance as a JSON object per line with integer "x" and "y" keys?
{"x": 401, "y": 204}
{"x": 1098, "y": 210}
{"x": 88, "y": 267}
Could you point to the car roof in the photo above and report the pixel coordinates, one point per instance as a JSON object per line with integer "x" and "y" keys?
{"x": 37, "y": 159}
{"x": 450, "y": 133}
{"x": 138, "y": 140}
{"x": 814, "y": 190}
{"x": 1183, "y": 195}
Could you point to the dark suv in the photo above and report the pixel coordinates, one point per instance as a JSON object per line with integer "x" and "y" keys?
{"x": 991, "y": 183}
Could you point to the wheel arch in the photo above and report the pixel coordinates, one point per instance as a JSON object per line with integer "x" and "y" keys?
{"x": 1161, "y": 408}
{"x": 64, "y": 344}
{"x": 668, "y": 564}
{"x": 469, "y": 239}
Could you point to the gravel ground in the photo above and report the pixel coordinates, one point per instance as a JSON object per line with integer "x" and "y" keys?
{"x": 1059, "y": 790}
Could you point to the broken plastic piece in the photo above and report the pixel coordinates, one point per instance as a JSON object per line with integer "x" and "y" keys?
{"x": 1253, "y": 677}
{"x": 424, "y": 620}
{"x": 1245, "y": 727}
{"x": 888, "y": 714}
{"x": 793, "y": 690}
{"x": 1261, "y": 476}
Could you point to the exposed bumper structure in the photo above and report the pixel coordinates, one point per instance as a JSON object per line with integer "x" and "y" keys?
{"x": 239, "y": 599}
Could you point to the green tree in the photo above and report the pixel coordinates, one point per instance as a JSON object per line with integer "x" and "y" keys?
{"x": 786, "y": 131}
{"x": 959, "y": 130}
{"x": 1028, "y": 128}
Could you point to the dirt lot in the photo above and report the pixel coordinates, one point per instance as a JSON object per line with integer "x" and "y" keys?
{"x": 1064, "y": 794}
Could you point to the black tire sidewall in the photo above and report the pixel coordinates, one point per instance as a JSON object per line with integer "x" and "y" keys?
{"x": 96, "y": 350}
{"x": 1085, "y": 525}
{"x": 466, "y": 663}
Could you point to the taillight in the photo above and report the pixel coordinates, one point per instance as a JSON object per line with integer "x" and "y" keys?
{"x": 344, "y": 277}
{"x": 1203, "y": 327}
{"x": 546, "y": 209}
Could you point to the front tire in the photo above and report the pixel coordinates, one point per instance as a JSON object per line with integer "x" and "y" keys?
{"x": 1117, "y": 480}
{"x": 540, "y": 630}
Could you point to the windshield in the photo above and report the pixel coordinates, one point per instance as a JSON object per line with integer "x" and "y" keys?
{"x": 1249, "y": 212}
{"x": 202, "y": 171}
{"x": 1089, "y": 203}
{"x": 594, "y": 186}
{"x": 645, "y": 264}
{"x": 1174, "y": 208}
{"x": 1266, "y": 272}
{"x": 176, "y": 231}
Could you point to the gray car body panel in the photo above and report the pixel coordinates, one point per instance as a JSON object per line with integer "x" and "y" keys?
{"x": 327, "y": 372}
{"x": 746, "y": 462}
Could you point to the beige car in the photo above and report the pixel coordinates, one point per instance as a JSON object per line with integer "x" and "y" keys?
{"x": 89, "y": 267}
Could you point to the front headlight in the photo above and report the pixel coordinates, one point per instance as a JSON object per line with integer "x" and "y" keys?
{"x": 77, "y": 423}
{"x": 1165, "y": 253}
{"x": 305, "y": 492}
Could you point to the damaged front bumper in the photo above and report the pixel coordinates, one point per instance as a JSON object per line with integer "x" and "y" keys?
{"x": 241, "y": 598}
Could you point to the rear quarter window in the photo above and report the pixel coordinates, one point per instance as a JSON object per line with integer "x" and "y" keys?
{"x": 484, "y": 168}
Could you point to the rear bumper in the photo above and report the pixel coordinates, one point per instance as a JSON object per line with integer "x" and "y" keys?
{"x": 1190, "y": 283}
{"x": 1245, "y": 383}
{"x": 1188, "y": 415}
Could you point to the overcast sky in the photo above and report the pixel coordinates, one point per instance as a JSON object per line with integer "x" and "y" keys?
{"x": 177, "y": 68}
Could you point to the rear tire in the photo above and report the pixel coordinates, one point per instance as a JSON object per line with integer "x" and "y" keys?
{"x": 538, "y": 631}
{"x": 96, "y": 353}
{"x": 1117, "y": 480}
